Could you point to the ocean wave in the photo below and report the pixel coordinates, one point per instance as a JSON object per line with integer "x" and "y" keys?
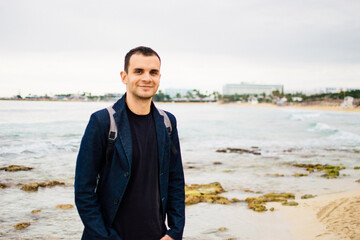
{"x": 342, "y": 136}
{"x": 334, "y": 134}
{"x": 302, "y": 116}
{"x": 323, "y": 127}
{"x": 35, "y": 148}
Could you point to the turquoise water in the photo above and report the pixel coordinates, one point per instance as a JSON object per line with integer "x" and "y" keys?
{"x": 46, "y": 136}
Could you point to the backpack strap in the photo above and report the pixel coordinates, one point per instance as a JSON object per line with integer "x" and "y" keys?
{"x": 113, "y": 128}
{"x": 166, "y": 120}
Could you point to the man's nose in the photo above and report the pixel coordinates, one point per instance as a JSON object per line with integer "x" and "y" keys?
{"x": 147, "y": 76}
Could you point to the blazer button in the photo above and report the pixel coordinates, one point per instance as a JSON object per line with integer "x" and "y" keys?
{"x": 116, "y": 201}
{"x": 126, "y": 174}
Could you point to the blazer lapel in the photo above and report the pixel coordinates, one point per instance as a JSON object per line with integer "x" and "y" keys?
{"x": 161, "y": 134}
{"x": 124, "y": 132}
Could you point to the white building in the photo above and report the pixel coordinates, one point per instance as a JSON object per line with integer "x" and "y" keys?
{"x": 251, "y": 89}
{"x": 172, "y": 92}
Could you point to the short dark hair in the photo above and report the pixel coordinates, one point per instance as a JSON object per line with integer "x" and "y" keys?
{"x": 146, "y": 51}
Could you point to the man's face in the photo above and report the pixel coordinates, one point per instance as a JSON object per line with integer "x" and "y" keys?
{"x": 143, "y": 76}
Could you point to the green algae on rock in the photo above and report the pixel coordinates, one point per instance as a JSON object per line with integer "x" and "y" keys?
{"x": 300, "y": 175}
{"x": 23, "y": 225}
{"x": 258, "y": 203}
{"x": 196, "y": 193}
{"x": 307, "y": 196}
{"x": 331, "y": 171}
{"x": 356, "y": 167}
{"x": 290, "y": 203}
{"x": 275, "y": 175}
{"x": 15, "y": 168}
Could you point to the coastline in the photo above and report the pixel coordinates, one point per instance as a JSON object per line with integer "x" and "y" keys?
{"x": 327, "y": 217}
{"x": 296, "y": 106}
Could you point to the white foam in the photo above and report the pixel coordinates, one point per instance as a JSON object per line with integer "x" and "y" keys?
{"x": 302, "y": 116}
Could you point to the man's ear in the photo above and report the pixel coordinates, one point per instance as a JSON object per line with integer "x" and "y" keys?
{"x": 123, "y": 76}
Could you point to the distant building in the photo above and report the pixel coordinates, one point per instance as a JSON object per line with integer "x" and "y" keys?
{"x": 173, "y": 92}
{"x": 348, "y": 102}
{"x": 251, "y": 89}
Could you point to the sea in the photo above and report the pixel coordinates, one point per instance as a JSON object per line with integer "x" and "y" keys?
{"x": 46, "y": 135}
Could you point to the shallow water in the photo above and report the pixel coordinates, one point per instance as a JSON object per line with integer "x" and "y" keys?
{"x": 46, "y": 136}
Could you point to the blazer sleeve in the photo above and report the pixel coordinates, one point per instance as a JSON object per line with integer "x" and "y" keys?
{"x": 176, "y": 189}
{"x": 90, "y": 156}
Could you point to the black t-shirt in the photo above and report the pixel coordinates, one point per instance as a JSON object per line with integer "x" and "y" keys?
{"x": 139, "y": 215}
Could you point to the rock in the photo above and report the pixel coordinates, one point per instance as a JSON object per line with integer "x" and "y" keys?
{"x": 3, "y": 185}
{"x": 258, "y": 203}
{"x": 275, "y": 175}
{"x": 240, "y": 150}
{"x": 33, "y": 187}
{"x": 251, "y": 191}
{"x": 64, "y": 206}
{"x": 272, "y": 209}
{"x": 331, "y": 171}
{"x": 221, "y": 150}
{"x": 217, "y": 163}
{"x": 300, "y": 174}
{"x": 189, "y": 167}
{"x": 290, "y": 203}
{"x": 23, "y": 225}
{"x": 222, "y": 229}
{"x": 14, "y": 168}
{"x": 307, "y": 196}
{"x": 356, "y": 167}
{"x": 235, "y": 200}
{"x": 196, "y": 193}
{"x": 358, "y": 181}
{"x": 35, "y": 211}
{"x": 51, "y": 184}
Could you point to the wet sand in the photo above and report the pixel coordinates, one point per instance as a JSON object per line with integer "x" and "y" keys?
{"x": 327, "y": 217}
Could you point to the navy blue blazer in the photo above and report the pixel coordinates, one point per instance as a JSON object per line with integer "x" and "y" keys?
{"x": 97, "y": 208}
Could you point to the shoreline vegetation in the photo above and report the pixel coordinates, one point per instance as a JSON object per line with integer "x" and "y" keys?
{"x": 348, "y": 101}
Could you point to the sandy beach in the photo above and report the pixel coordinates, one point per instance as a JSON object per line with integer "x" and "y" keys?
{"x": 327, "y": 217}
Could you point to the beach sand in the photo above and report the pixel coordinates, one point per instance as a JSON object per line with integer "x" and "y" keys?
{"x": 298, "y": 106}
{"x": 294, "y": 106}
{"x": 328, "y": 217}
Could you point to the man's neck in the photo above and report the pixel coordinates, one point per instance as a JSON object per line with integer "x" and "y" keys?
{"x": 138, "y": 106}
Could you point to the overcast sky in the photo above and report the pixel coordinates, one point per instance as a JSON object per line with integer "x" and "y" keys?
{"x": 65, "y": 46}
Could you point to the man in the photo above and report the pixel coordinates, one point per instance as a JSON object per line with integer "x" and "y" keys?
{"x": 128, "y": 195}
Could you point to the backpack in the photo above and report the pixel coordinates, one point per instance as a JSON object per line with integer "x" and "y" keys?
{"x": 113, "y": 131}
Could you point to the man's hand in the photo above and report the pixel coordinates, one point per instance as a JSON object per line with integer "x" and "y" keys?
{"x": 166, "y": 237}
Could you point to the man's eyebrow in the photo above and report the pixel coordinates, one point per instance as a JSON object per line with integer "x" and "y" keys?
{"x": 136, "y": 69}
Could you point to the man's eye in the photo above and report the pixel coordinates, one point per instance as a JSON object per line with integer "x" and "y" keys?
{"x": 154, "y": 72}
{"x": 138, "y": 71}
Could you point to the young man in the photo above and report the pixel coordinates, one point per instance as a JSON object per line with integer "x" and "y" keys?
{"x": 128, "y": 195}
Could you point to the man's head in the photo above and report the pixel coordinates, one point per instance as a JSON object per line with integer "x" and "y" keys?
{"x": 141, "y": 73}
{"x": 146, "y": 51}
